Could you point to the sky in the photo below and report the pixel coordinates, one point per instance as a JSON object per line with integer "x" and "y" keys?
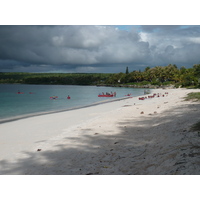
{"x": 97, "y": 37}
{"x": 96, "y": 48}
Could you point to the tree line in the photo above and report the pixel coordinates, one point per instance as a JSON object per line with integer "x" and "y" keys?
{"x": 159, "y": 76}
{"x": 53, "y": 78}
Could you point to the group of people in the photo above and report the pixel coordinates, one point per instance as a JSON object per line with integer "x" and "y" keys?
{"x": 107, "y": 93}
{"x": 154, "y": 95}
{"x": 55, "y": 97}
{"x": 18, "y": 92}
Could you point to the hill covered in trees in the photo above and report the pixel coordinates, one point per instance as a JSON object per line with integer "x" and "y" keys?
{"x": 156, "y": 76}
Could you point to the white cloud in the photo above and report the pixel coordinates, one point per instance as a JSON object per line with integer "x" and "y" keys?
{"x": 195, "y": 40}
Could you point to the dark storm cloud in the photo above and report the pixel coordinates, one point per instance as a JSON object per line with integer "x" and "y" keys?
{"x": 69, "y": 45}
{"x": 96, "y": 48}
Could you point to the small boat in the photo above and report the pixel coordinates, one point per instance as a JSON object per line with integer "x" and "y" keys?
{"x": 105, "y": 95}
{"x": 53, "y": 97}
{"x": 19, "y": 92}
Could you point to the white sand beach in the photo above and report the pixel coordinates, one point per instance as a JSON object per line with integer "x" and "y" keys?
{"x": 130, "y": 136}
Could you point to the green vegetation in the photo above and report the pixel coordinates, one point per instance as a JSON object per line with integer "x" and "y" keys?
{"x": 157, "y": 76}
{"x": 53, "y": 78}
{"x": 195, "y": 96}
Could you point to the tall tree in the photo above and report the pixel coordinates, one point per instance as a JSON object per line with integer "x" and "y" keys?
{"x": 147, "y": 69}
{"x": 197, "y": 70}
{"x": 127, "y": 72}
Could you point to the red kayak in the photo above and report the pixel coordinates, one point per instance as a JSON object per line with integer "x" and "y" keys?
{"x": 53, "y": 97}
{"x": 105, "y": 95}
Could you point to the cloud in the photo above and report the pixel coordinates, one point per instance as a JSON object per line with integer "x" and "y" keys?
{"x": 173, "y": 44}
{"x": 81, "y": 48}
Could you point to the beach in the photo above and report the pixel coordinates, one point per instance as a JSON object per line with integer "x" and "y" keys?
{"x": 124, "y": 137}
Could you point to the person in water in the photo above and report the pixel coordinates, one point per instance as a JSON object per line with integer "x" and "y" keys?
{"x": 68, "y": 97}
{"x": 54, "y": 97}
{"x": 19, "y": 92}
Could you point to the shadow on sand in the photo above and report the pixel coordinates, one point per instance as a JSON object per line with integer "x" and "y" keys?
{"x": 155, "y": 143}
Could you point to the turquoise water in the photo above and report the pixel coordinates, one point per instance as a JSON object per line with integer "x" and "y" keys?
{"x": 36, "y": 98}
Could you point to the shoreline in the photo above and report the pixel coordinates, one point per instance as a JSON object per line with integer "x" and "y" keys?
{"x": 128, "y": 136}
{"x": 12, "y": 115}
{"x": 10, "y": 119}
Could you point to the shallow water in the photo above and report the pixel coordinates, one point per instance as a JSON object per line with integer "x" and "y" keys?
{"x": 36, "y": 98}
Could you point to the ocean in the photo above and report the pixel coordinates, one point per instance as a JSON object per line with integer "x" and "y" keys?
{"x": 35, "y": 99}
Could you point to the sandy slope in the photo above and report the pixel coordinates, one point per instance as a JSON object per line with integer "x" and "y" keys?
{"x": 131, "y": 136}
